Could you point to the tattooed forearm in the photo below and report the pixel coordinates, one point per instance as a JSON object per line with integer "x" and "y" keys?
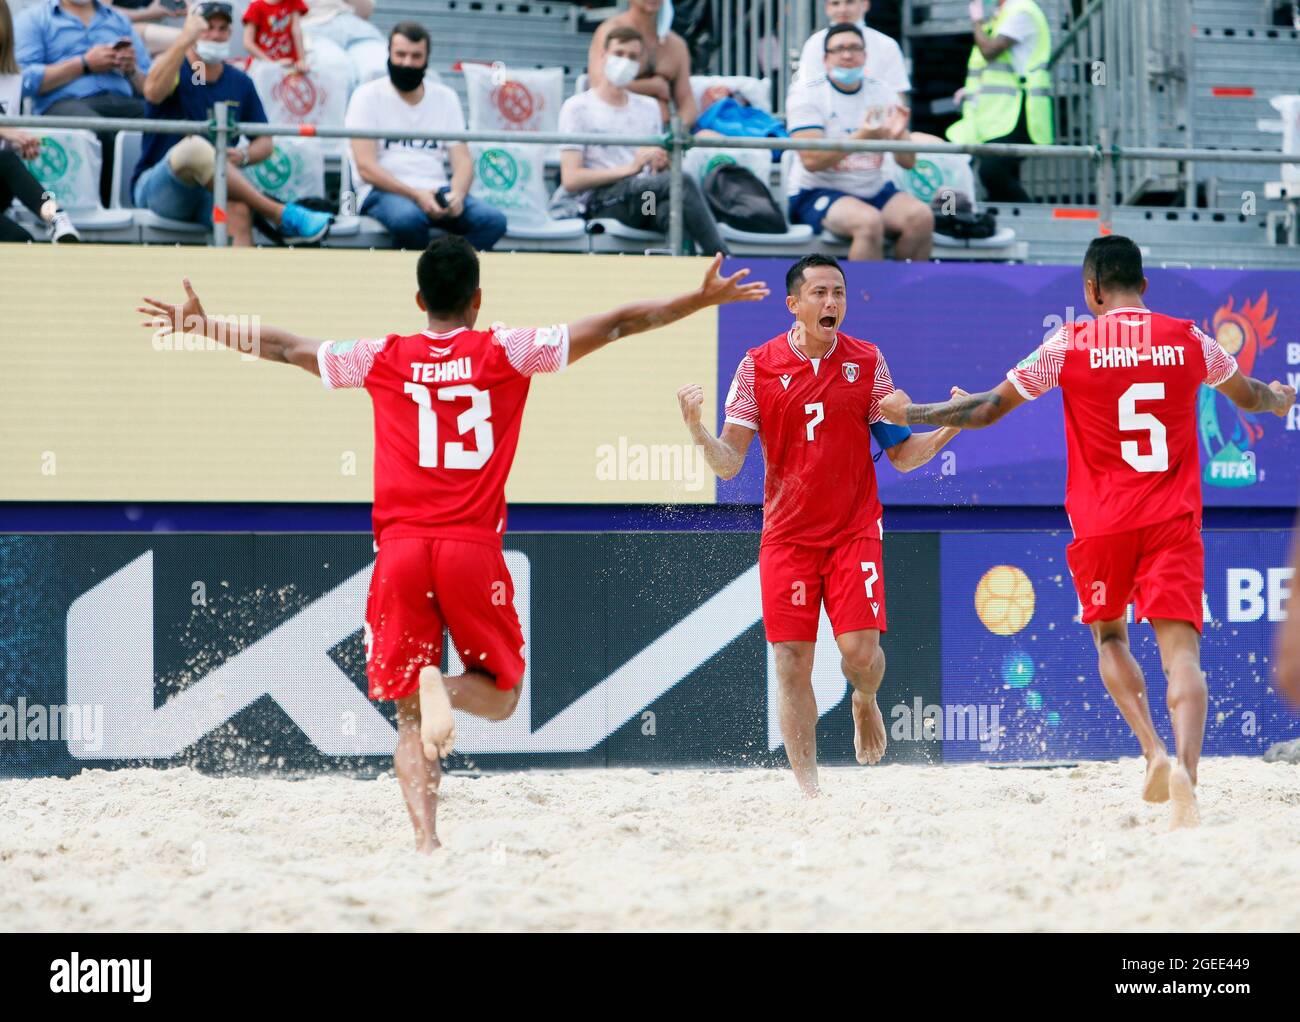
{"x": 972, "y": 411}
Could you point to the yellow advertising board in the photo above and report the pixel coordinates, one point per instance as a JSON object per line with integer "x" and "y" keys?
{"x": 95, "y": 407}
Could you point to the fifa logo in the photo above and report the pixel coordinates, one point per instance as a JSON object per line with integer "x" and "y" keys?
{"x": 1229, "y": 434}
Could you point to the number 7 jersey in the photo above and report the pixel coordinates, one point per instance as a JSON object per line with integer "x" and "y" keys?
{"x": 1129, "y": 381}
{"x": 447, "y": 410}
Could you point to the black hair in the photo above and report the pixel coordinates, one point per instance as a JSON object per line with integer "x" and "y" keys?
{"x": 447, "y": 275}
{"x": 1115, "y": 262}
{"x": 794, "y": 275}
{"x": 411, "y": 30}
{"x": 839, "y": 29}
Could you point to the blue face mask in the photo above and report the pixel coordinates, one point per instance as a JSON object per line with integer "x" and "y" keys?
{"x": 665, "y": 22}
{"x": 846, "y": 75}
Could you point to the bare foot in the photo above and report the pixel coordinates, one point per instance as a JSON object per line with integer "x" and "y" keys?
{"x": 1182, "y": 793}
{"x": 427, "y": 845}
{"x": 1156, "y": 788}
{"x": 868, "y": 728}
{"x": 437, "y": 725}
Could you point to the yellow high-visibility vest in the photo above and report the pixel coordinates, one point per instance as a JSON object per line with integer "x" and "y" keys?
{"x": 994, "y": 92}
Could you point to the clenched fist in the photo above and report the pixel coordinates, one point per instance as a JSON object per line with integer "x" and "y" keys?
{"x": 691, "y": 399}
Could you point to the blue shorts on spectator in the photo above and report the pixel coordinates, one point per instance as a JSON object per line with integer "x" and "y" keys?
{"x": 479, "y": 224}
{"x": 811, "y": 205}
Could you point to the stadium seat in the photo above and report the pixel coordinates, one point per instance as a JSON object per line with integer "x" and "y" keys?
{"x": 351, "y": 230}
{"x": 69, "y": 166}
{"x": 153, "y": 228}
{"x": 610, "y": 235}
{"x": 565, "y": 235}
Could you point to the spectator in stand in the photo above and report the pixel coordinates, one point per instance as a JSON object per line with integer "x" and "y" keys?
{"x": 1008, "y": 92}
{"x": 664, "y": 73}
{"x": 847, "y": 193}
{"x": 144, "y": 16}
{"x": 885, "y": 61}
{"x": 80, "y": 58}
{"x": 174, "y": 175}
{"x": 405, "y": 183}
{"x": 626, "y": 184}
{"x": 16, "y": 145}
{"x": 339, "y": 31}
{"x": 273, "y": 31}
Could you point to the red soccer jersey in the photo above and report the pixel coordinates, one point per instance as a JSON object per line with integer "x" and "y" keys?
{"x": 1129, "y": 381}
{"x": 273, "y": 22}
{"x": 447, "y": 413}
{"x": 814, "y": 419}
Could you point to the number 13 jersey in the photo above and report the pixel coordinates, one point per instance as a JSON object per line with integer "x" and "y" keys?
{"x": 1129, "y": 381}
{"x": 447, "y": 410}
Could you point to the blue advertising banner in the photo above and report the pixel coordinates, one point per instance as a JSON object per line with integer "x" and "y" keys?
{"x": 941, "y": 325}
{"x": 1014, "y": 649}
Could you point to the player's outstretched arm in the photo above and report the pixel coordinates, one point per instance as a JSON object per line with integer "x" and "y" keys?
{"x": 593, "y": 332}
{"x": 725, "y": 454}
{"x": 245, "y": 334}
{"x": 1252, "y": 395}
{"x": 966, "y": 411}
{"x": 919, "y": 448}
{"x": 1288, "y": 636}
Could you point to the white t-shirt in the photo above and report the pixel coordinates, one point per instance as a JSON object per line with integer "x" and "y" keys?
{"x": 1021, "y": 28}
{"x": 820, "y": 104}
{"x": 417, "y": 163}
{"x": 885, "y": 61}
{"x": 588, "y": 113}
{"x": 11, "y": 95}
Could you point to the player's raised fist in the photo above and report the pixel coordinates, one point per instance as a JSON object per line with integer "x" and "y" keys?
{"x": 691, "y": 399}
{"x": 1288, "y": 397}
{"x": 179, "y": 319}
{"x": 720, "y": 290}
{"x": 894, "y": 407}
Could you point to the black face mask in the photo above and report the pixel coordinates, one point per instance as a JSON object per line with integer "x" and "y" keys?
{"x": 405, "y": 79}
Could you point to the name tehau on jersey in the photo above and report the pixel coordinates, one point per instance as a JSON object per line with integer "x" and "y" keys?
{"x": 447, "y": 410}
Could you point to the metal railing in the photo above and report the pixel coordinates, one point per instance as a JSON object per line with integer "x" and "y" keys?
{"x": 762, "y": 39}
{"x": 223, "y": 127}
{"x": 1120, "y": 74}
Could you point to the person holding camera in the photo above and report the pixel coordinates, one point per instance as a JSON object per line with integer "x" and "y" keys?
{"x": 79, "y": 58}
{"x": 405, "y": 183}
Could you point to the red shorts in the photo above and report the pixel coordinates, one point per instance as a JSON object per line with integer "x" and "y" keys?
{"x": 422, "y": 584}
{"x": 796, "y": 579}
{"x": 1161, "y": 566}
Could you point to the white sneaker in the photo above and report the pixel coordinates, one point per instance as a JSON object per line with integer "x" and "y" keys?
{"x": 61, "y": 228}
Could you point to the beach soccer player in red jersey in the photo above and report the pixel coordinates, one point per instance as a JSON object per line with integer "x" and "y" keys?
{"x": 812, "y": 395}
{"x": 1128, "y": 380}
{"x": 448, "y": 401}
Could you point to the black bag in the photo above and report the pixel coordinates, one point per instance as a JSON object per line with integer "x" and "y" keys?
{"x": 965, "y": 224}
{"x": 742, "y": 201}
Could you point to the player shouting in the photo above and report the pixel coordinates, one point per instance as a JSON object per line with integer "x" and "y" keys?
{"x": 448, "y": 401}
{"x": 1129, "y": 380}
{"x": 812, "y": 394}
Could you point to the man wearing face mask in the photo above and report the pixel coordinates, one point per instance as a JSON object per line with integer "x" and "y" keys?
{"x": 847, "y": 193}
{"x": 174, "y": 176}
{"x": 664, "y": 66}
{"x": 626, "y": 184}
{"x": 416, "y": 188}
{"x": 79, "y": 58}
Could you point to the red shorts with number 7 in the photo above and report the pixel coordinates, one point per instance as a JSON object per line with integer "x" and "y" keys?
{"x": 796, "y": 579}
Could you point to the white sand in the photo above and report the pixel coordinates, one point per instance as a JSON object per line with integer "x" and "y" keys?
{"x": 891, "y": 848}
